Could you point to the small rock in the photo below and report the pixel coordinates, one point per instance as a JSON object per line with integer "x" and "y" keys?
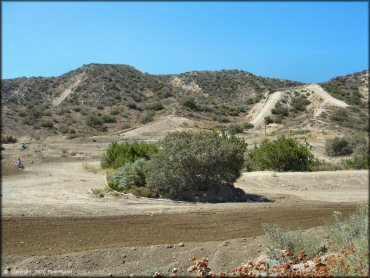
{"x": 181, "y": 244}
{"x": 108, "y": 253}
{"x": 133, "y": 249}
{"x": 22, "y": 242}
{"x": 110, "y": 275}
{"x": 259, "y": 250}
{"x": 123, "y": 255}
{"x": 123, "y": 262}
{"x": 225, "y": 243}
{"x": 169, "y": 246}
{"x": 259, "y": 245}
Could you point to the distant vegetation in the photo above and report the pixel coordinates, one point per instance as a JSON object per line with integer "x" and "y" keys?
{"x": 117, "y": 155}
{"x": 9, "y": 139}
{"x": 283, "y": 154}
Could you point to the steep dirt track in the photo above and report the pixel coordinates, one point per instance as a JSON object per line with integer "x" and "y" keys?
{"x": 266, "y": 109}
{"x": 52, "y": 235}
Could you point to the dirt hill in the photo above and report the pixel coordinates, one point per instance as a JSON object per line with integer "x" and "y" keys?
{"x": 99, "y": 98}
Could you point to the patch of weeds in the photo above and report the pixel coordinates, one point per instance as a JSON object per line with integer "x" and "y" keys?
{"x": 97, "y": 192}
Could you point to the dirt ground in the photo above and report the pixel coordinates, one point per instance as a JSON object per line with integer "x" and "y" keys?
{"x": 53, "y": 225}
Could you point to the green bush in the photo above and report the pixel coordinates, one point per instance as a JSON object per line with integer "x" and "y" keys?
{"x": 338, "y": 147}
{"x": 155, "y": 106}
{"x": 9, "y": 140}
{"x": 299, "y": 103}
{"x": 280, "y": 110}
{"x": 283, "y": 154}
{"x": 94, "y": 121}
{"x": 340, "y": 115}
{"x": 47, "y": 124}
{"x": 130, "y": 175}
{"x": 235, "y": 129}
{"x": 189, "y": 102}
{"x": 117, "y": 155}
{"x": 359, "y": 144}
{"x": 109, "y": 119}
{"x": 268, "y": 120}
{"x": 357, "y": 162}
{"x": 147, "y": 117}
{"x": 292, "y": 241}
{"x": 190, "y": 164}
{"x": 248, "y": 126}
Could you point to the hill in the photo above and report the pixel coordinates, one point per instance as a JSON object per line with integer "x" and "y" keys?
{"x": 100, "y": 98}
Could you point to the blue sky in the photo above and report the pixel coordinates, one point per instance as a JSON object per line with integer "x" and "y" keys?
{"x": 303, "y": 41}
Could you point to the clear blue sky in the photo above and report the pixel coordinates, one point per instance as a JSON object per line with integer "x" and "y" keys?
{"x": 309, "y": 42}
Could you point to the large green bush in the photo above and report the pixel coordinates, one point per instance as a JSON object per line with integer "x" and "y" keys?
{"x": 283, "y": 154}
{"x": 190, "y": 164}
{"x": 118, "y": 155}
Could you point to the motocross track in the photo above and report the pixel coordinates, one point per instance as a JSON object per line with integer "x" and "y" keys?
{"x": 52, "y": 222}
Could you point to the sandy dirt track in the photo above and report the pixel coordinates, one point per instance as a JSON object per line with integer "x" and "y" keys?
{"x": 55, "y": 235}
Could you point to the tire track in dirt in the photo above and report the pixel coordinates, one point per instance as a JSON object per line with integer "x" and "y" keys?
{"x": 30, "y": 236}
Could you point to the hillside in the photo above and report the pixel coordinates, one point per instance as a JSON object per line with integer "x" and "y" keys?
{"x": 96, "y": 97}
{"x": 99, "y": 98}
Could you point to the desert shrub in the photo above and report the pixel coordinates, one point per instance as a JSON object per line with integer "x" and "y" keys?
{"x": 268, "y": 120}
{"x": 292, "y": 241}
{"x": 9, "y": 139}
{"x": 94, "y": 121}
{"x": 339, "y": 115}
{"x": 77, "y": 108}
{"x": 154, "y": 106}
{"x": 278, "y": 119}
{"x": 338, "y": 147}
{"x": 125, "y": 126}
{"x": 359, "y": 144}
{"x": 360, "y": 161}
{"x": 22, "y": 113}
{"x": 189, "y": 102}
{"x": 283, "y": 154}
{"x": 248, "y": 126}
{"x": 109, "y": 119}
{"x": 146, "y": 117}
{"x": 114, "y": 111}
{"x": 97, "y": 192}
{"x": 299, "y": 103}
{"x": 193, "y": 163}
{"x": 353, "y": 234}
{"x": 147, "y": 192}
{"x": 280, "y": 110}
{"x": 132, "y": 104}
{"x": 47, "y": 124}
{"x": 235, "y": 129}
{"x": 132, "y": 174}
{"x": 100, "y": 107}
{"x": 63, "y": 129}
{"x": 118, "y": 155}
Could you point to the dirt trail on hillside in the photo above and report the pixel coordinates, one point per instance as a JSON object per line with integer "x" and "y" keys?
{"x": 258, "y": 120}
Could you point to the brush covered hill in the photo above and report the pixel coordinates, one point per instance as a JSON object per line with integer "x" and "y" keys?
{"x": 100, "y": 98}
{"x": 97, "y": 98}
